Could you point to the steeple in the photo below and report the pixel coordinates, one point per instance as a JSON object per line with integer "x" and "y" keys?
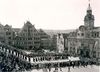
{"x": 89, "y": 9}
{"x": 89, "y": 18}
{"x": 89, "y": 6}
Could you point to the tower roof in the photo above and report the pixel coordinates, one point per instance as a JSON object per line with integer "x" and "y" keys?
{"x": 89, "y": 7}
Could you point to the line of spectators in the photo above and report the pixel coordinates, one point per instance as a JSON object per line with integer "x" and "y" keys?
{"x": 11, "y": 63}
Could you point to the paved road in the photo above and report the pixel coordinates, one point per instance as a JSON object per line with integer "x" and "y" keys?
{"x": 76, "y": 69}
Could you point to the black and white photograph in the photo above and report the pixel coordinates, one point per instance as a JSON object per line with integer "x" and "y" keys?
{"x": 49, "y": 35}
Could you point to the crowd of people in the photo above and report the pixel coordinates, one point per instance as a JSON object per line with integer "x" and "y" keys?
{"x": 10, "y": 63}
{"x": 57, "y": 66}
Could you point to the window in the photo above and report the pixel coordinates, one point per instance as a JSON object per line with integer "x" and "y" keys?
{"x": 82, "y": 44}
{"x": 94, "y": 54}
{"x": 97, "y": 34}
{"x": 25, "y": 42}
{"x": 8, "y": 33}
{"x": 82, "y": 34}
{"x": 25, "y": 30}
{"x": 29, "y": 42}
{"x": 29, "y": 38}
{"x": 78, "y": 34}
{"x": 9, "y": 37}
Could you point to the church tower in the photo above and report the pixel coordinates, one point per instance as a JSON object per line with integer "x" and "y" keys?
{"x": 89, "y": 18}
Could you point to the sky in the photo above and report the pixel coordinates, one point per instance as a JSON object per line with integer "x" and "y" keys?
{"x": 47, "y": 14}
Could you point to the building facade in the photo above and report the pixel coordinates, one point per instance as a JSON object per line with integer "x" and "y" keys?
{"x": 2, "y": 34}
{"x": 28, "y": 37}
{"x": 45, "y": 40}
{"x": 54, "y": 42}
{"x": 85, "y": 41}
{"x": 9, "y": 33}
{"x": 60, "y": 43}
{"x": 6, "y": 34}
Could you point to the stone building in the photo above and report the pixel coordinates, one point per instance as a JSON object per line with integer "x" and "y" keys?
{"x": 2, "y": 33}
{"x": 9, "y": 33}
{"x": 45, "y": 40}
{"x": 54, "y": 42}
{"x": 28, "y": 37}
{"x": 85, "y": 41}
{"x": 6, "y": 34}
{"x": 60, "y": 43}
